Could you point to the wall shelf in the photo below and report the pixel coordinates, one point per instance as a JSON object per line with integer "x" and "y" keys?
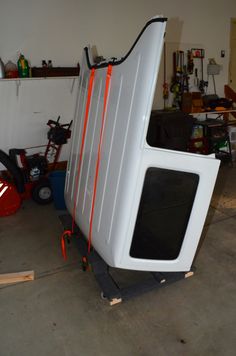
{"x": 36, "y": 78}
{"x": 19, "y": 81}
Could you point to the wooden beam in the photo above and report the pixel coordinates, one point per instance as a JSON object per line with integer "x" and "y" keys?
{"x": 9, "y": 278}
{"x": 230, "y": 93}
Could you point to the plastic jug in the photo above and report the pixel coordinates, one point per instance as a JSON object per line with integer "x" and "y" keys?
{"x": 11, "y": 70}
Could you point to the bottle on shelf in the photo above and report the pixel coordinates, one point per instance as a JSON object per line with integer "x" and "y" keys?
{"x": 11, "y": 70}
{"x": 44, "y": 64}
{"x": 23, "y": 67}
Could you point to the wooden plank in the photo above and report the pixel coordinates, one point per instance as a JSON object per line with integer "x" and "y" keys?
{"x": 189, "y": 274}
{"x": 9, "y": 278}
{"x": 115, "y": 301}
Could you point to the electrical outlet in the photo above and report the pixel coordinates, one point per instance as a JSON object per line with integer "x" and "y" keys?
{"x": 222, "y": 53}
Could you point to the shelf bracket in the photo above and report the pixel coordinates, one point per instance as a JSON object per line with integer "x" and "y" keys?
{"x": 72, "y": 85}
{"x": 18, "y": 84}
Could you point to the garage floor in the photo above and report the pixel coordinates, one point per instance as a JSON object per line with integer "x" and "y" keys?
{"x": 61, "y": 312}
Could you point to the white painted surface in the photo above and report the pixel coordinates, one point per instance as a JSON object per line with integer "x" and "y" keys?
{"x": 59, "y": 29}
{"x": 126, "y": 157}
{"x": 25, "y": 111}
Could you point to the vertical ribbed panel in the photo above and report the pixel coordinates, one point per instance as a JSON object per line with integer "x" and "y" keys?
{"x": 126, "y": 157}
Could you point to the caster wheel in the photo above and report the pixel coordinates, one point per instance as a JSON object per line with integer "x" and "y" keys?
{"x": 103, "y": 297}
{"x": 42, "y": 193}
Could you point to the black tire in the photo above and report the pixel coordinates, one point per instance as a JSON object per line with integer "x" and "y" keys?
{"x": 42, "y": 192}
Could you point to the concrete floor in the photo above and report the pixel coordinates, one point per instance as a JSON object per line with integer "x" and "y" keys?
{"x": 61, "y": 312}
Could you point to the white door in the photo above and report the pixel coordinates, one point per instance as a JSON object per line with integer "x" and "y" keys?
{"x": 232, "y": 64}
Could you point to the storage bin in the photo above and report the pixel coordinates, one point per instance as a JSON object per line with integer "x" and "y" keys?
{"x": 232, "y": 138}
{"x": 232, "y": 133}
{"x": 57, "y": 179}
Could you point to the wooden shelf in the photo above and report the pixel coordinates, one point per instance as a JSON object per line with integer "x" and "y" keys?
{"x": 54, "y": 71}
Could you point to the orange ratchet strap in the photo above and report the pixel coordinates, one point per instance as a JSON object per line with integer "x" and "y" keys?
{"x": 106, "y": 93}
{"x": 68, "y": 233}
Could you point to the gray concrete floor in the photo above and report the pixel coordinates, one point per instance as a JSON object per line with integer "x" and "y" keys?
{"x": 61, "y": 313}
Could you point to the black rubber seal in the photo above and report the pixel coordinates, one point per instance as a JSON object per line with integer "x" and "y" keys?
{"x": 115, "y": 62}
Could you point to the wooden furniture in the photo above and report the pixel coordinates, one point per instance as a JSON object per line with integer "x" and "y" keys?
{"x": 54, "y": 72}
{"x": 230, "y": 94}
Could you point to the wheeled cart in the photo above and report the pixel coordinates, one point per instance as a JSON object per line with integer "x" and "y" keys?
{"x": 105, "y": 277}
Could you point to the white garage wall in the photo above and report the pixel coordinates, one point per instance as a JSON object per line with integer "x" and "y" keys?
{"x": 25, "y": 110}
{"x": 59, "y": 29}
